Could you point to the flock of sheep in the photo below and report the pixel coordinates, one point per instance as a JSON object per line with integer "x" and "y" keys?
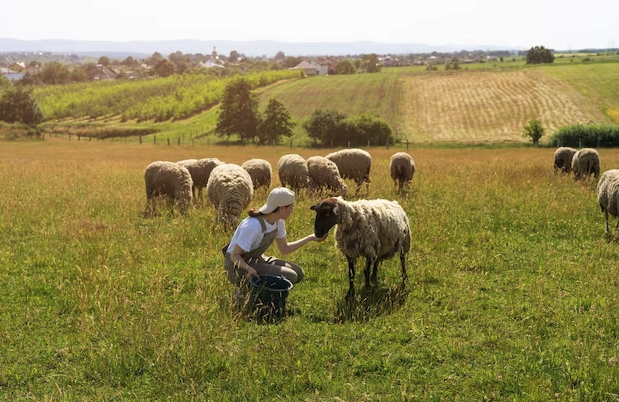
{"x": 583, "y": 164}
{"x": 374, "y": 229}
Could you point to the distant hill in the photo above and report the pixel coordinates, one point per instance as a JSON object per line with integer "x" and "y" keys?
{"x": 255, "y": 48}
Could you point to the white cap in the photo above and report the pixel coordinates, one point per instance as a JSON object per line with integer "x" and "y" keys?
{"x": 279, "y": 197}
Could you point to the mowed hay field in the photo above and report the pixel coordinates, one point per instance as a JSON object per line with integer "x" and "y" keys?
{"x": 483, "y": 106}
{"x": 512, "y": 291}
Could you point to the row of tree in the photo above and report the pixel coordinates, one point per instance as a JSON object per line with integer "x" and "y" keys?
{"x": 240, "y": 115}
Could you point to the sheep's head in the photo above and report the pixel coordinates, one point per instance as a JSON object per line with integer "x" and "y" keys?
{"x": 327, "y": 216}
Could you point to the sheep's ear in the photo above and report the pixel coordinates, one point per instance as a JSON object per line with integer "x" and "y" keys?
{"x": 313, "y": 207}
{"x": 336, "y": 211}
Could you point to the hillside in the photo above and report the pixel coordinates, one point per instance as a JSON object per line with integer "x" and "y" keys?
{"x": 478, "y": 103}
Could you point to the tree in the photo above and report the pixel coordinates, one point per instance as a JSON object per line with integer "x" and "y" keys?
{"x": 291, "y": 61}
{"x": 370, "y": 63}
{"x": 538, "y": 55}
{"x": 129, "y": 62}
{"x": 324, "y": 125}
{"x": 164, "y": 68}
{"x": 344, "y": 67}
{"x": 18, "y": 106}
{"x": 55, "y": 73}
{"x": 277, "y": 123}
{"x": 238, "y": 113}
{"x": 154, "y": 59}
{"x": 234, "y": 56}
{"x": 534, "y": 130}
{"x": 280, "y": 56}
{"x": 104, "y": 60}
{"x": 4, "y": 82}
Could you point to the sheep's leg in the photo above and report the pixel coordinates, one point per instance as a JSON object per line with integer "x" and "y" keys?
{"x": 606, "y": 219}
{"x": 403, "y": 263}
{"x": 374, "y": 269}
{"x": 366, "y": 272}
{"x": 351, "y": 277}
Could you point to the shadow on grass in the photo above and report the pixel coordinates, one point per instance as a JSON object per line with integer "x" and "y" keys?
{"x": 370, "y": 303}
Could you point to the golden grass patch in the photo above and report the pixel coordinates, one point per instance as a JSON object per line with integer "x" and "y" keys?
{"x": 484, "y": 106}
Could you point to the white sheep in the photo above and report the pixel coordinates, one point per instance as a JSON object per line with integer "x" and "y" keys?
{"x": 170, "y": 180}
{"x": 324, "y": 173}
{"x": 585, "y": 163}
{"x": 230, "y": 189}
{"x": 353, "y": 164}
{"x": 374, "y": 229}
{"x": 402, "y": 168}
{"x": 563, "y": 159}
{"x": 200, "y": 170}
{"x": 608, "y": 197}
{"x": 260, "y": 172}
{"x": 292, "y": 171}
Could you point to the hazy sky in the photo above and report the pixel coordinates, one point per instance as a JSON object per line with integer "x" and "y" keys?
{"x": 558, "y": 24}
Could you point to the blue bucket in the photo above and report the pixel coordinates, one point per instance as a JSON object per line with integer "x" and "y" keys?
{"x": 269, "y": 294}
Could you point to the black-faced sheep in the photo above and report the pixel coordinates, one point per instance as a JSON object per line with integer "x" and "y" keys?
{"x": 402, "y": 168}
{"x": 585, "y": 163}
{"x": 292, "y": 171}
{"x": 200, "y": 170}
{"x": 170, "y": 180}
{"x": 260, "y": 172}
{"x": 324, "y": 173}
{"x": 608, "y": 197}
{"x": 230, "y": 189}
{"x": 374, "y": 229}
{"x": 353, "y": 164}
{"x": 563, "y": 159}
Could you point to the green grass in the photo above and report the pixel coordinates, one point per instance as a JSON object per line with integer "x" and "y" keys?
{"x": 512, "y": 290}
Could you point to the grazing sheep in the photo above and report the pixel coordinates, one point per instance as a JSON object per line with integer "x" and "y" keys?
{"x": 170, "y": 180}
{"x": 563, "y": 159}
{"x": 260, "y": 172}
{"x": 353, "y": 164}
{"x": 608, "y": 197}
{"x": 292, "y": 170}
{"x": 200, "y": 170}
{"x": 585, "y": 163}
{"x": 374, "y": 229}
{"x": 230, "y": 189}
{"x": 402, "y": 168}
{"x": 324, "y": 173}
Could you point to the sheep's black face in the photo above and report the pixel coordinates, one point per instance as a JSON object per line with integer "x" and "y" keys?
{"x": 326, "y": 216}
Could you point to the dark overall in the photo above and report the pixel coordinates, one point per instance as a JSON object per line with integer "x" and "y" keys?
{"x": 262, "y": 264}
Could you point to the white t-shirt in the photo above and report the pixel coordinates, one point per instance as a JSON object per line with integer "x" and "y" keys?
{"x": 248, "y": 234}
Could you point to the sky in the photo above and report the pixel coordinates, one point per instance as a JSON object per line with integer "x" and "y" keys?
{"x": 555, "y": 24}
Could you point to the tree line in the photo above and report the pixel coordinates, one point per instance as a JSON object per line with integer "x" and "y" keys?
{"x": 240, "y": 116}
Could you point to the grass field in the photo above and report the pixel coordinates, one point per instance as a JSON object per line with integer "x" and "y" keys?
{"x": 485, "y": 103}
{"x": 512, "y": 291}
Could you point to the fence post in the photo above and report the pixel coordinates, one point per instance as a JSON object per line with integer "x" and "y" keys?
{"x": 168, "y": 142}
{"x": 89, "y": 139}
{"x": 193, "y": 142}
{"x": 387, "y": 143}
{"x": 407, "y": 144}
{"x": 348, "y": 144}
{"x": 179, "y": 141}
{"x": 368, "y": 143}
{"x": 291, "y": 143}
{"x": 154, "y": 139}
{"x": 140, "y": 139}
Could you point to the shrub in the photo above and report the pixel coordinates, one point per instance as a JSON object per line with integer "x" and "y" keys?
{"x": 586, "y": 135}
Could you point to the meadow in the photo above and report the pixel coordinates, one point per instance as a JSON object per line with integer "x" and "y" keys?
{"x": 512, "y": 291}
